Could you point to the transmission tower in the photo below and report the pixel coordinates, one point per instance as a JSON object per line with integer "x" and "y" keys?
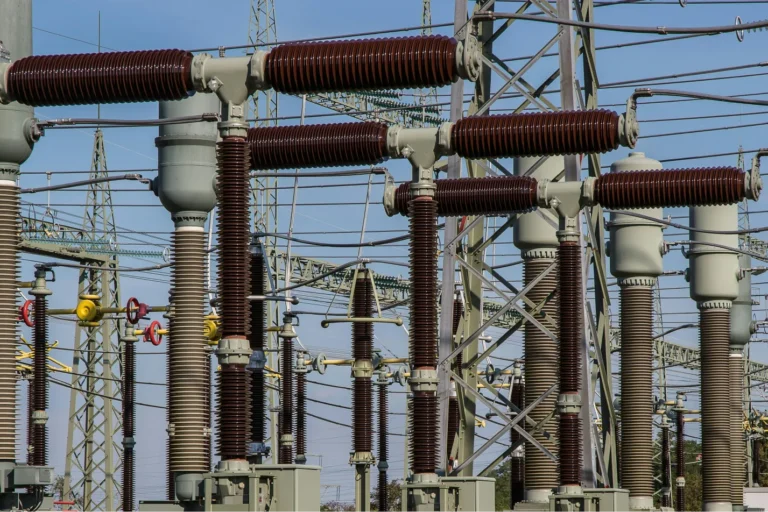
{"x": 94, "y": 459}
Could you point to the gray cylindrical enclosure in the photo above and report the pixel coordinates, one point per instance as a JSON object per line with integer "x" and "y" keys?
{"x": 636, "y": 244}
{"x": 742, "y": 327}
{"x": 714, "y": 270}
{"x": 15, "y": 119}
{"x": 537, "y": 231}
{"x": 186, "y": 155}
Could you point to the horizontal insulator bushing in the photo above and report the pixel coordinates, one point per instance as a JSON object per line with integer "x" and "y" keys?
{"x": 477, "y": 196}
{"x": 322, "y": 145}
{"x": 536, "y": 134}
{"x": 393, "y": 63}
{"x": 88, "y": 78}
{"x": 705, "y": 186}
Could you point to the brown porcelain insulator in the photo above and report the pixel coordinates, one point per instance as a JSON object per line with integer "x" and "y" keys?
{"x": 256, "y": 339}
{"x": 128, "y": 493}
{"x": 88, "y": 78}
{"x": 170, "y": 481}
{"x": 362, "y": 415}
{"x": 757, "y": 449}
{"x": 706, "y": 186}
{"x": 666, "y": 499}
{"x": 424, "y": 432}
{"x": 301, "y": 414}
{"x": 680, "y": 460}
{"x": 321, "y": 145}
{"x": 536, "y": 134}
{"x": 286, "y": 407}
{"x": 736, "y": 429}
{"x": 30, "y": 429}
{"x": 458, "y": 312}
{"x": 383, "y": 497}
{"x": 570, "y": 461}
{"x": 423, "y": 274}
{"x": 517, "y": 463}
{"x": 129, "y": 410}
{"x": 362, "y": 307}
{"x": 454, "y": 419}
{"x": 383, "y": 446}
{"x": 392, "y": 63}
{"x": 39, "y": 432}
{"x": 234, "y": 235}
{"x": 477, "y": 196}
{"x": 232, "y": 417}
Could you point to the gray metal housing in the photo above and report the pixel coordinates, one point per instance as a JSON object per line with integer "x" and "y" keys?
{"x": 713, "y": 270}
{"x": 742, "y": 325}
{"x": 535, "y": 233}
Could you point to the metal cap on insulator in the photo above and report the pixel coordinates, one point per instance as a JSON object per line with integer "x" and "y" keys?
{"x": 713, "y": 266}
{"x": 742, "y": 324}
{"x": 535, "y": 234}
{"x": 41, "y": 288}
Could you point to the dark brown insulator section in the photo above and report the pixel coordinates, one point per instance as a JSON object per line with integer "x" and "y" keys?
{"x": 541, "y": 367}
{"x": 570, "y": 308}
{"x": 536, "y": 134}
{"x": 322, "y": 145}
{"x": 736, "y": 430}
{"x": 301, "y": 415}
{"x": 393, "y": 63}
{"x": 89, "y": 78}
{"x": 40, "y": 432}
{"x": 30, "y": 410}
{"x": 170, "y": 480}
{"x": 680, "y": 461}
{"x": 232, "y": 419}
{"x": 714, "y": 329}
{"x": 757, "y": 458}
{"x": 704, "y": 186}
{"x": 256, "y": 338}
{"x": 454, "y": 419}
{"x": 362, "y": 415}
{"x": 424, "y": 432}
{"x": 234, "y": 234}
{"x": 423, "y": 274}
{"x": 458, "y": 312}
{"x": 666, "y": 467}
{"x": 636, "y": 320}
{"x": 517, "y": 462}
{"x": 362, "y": 307}
{"x": 477, "y": 196}
{"x": 208, "y": 412}
{"x": 129, "y": 429}
{"x": 383, "y": 446}
{"x": 286, "y": 409}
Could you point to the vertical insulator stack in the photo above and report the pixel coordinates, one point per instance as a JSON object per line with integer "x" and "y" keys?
{"x": 30, "y": 410}
{"x": 454, "y": 420}
{"x": 129, "y": 428}
{"x": 40, "y": 430}
{"x": 541, "y": 367}
{"x": 383, "y": 447}
{"x": 714, "y": 335}
{"x": 301, "y": 416}
{"x": 286, "y": 409}
{"x": 666, "y": 498}
{"x": 680, "y": 461}
{"x": 9, "y": 310}
{"x": 757, "y": 448}
{"x": 517, "y": 461}
{"x": 571, "y": 325}
{"x": 423, "y": 333}
{"x": 233, "y": 388}
{"x": 636, "y": 319}
{"x": 362, "y": 352}
{"x": 256, "y": 338}
{"x": 737, "y": 455}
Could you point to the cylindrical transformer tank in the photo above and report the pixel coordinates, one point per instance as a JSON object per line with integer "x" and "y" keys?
{"x": 636, "y": 246}
{"x": 742, "y": 325}
{"x": 16, "y": 123}
{"x": 185, "y": 182}
{"x": 537, "y": 231}
{"x": 713, "y": 269}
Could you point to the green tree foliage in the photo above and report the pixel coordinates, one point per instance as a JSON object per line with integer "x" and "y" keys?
{"x": 394, "y": 491}
{"x": 503, "y": 490}
{"x": 693, "y": 487}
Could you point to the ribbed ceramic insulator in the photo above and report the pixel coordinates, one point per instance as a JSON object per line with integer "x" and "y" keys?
{"x": 256, "y": 338}
{"x": 570, "y": 460}
{"x": 170, "y": 482}
{"x": 40, "y": 334}
{"x": 362, "y": 415}
{"x": 536, "y": 134}
{"x": 301, "y": 414}
{"x": 393, "y": 63}
{"x": 423, "y": 274}
{"x": 88, "y": 78}
{"x": 454, "y": 418}
{"x": 383, "y": 497}
{"x": 9, "y": 310}
{"x": 541, "y": 369}
{"x": 671, "y": 187}
{"x": 30, "y": 430}
{"x": 636, "y": 320}
{"x": 322, "y": 145}
{"x": 383, "y": 446}
{"x": 477, "y": 196}
{"x": 666, "y": 499}
{"x": 714, "y": 329}
{"x": 517, "y": 461}
{"x": 757, "y": 456}
{"x": 458, "y": 312}
{"x": 362, "y": 307}
{"x": 286, "y": 406}
{"x": 128, "y": 492}
{"x": 738, "y": 446}
{"x": 423, "y": 432}
{"x": 129, "y": 409}
{"x": 680, "y": 460}
{"x": 232, "y": 419}
{"x": 189, "y": 382}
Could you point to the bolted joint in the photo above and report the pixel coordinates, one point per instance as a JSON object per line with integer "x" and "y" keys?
{"x": 130, "y": 335}
{"x": 39, "y": 417}
{"x": 171, "y": 429}
{"x": 424, "y": 478}
{"x": 680, "y": 481}
{"x": 257, "y": 361}
{"x": 444, "y": 138}
{"x": 423, "y": 184}
{"x": 362, "y": 368}
{"x": 569, "y": 404}
{"x": 234, "y": 350}
{"x": 563, "y": 197}
{"x": 4, "y": 97}
{"x": 362, "y": 458}
{"x": 469, "y": 58}
{"x": 286, "y": 330}
{"x": 233, "y": 122}
{"x": 753, "y": 183}
{"x": 423, "y": 380}
{"x": 569, "y": 230}
{"x": 628, "y": 128}
{"x": 286, "y": 440}
{"x": 382, "y": 465}
{"x": 257, "y": 72}
{"x": 129, "y": 443}
{"x": 390, "y": 190}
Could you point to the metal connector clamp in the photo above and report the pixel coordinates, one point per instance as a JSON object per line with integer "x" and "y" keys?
{"x": 753, "y": 184}
{"x": 628, "y": 127}
{"x": 423, "y": 380}
{"x": 362, "y": 368}
{"x": 569, "y": 404}
{"x": 389, "y": 195}
{"x": 4, "y": 97}
{"x": 257, "y": 72}
{"x": 39, "y": 417}
{"x": 469, "y": 58}
{"x": 234, "y": 351}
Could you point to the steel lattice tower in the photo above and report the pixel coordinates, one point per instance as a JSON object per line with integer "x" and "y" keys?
{"x": 93, "y": 461}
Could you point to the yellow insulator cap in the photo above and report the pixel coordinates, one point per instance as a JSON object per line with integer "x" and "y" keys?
{"x": 87, "y": 310}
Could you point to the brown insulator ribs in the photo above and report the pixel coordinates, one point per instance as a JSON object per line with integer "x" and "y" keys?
{"x": 362, "y": 307}
{"x": 256, "y": 338}
{"x": 680, "y": 461}
{"x": 362, "y": 418}
{"x": 536, "y": 134}
{"x": 393, "y": 63}
{"x": 362, "y": 350}
{"x": 714, "y": 331}
{"x": 383, "y": 498}
{"x": 30, "y": 429}
{"x": 234, "y": 233}
{"x": 423, "y": 432}
{"x": 458, "y": 312}
{"x": 116, "y": 77}
{"x": 477, "y": 196}
{"x": 286, "y": 409}
{"x": 705, "y": 186}
{"x": 454, "y": 419}
{"x": 383, "y": 447}
{"x": 736, "y": 430}
{"x": 301, "y": 415}
{"x": 39, "y": 431}
{"x": 232, "y": 417}
{"x": 129, "y": 409}
{"x": 517, "y": 461}
{"x": 10, "y": 229}
{"x": 570, "y": 310}
{"x": 322, "y": 145}
{"x": 666, "y": 498}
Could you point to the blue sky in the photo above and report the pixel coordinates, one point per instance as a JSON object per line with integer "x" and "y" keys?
{"x": 140, "y": 24}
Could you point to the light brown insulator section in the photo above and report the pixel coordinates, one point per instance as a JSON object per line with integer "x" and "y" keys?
{"x": 636, "y": 320}
{"x": 536, "y": 134}
{"x": 9, "y": 311}
{"x": 541, "y": 367}
{"x": 88, "y": 78}
{"x": 706, "y": 186}
{"x": 714, "y": 332}
{"x": 321, "y": 145}
{"x": 189, "y": 411}
{"x": 393, "y": 63}
{"x": 516, "y": 463}
{"x": 680, "y": 460}
{"x": 477, "y": 196}
{"x": 738, "y": 446}
{"x": 170, "y": 482}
